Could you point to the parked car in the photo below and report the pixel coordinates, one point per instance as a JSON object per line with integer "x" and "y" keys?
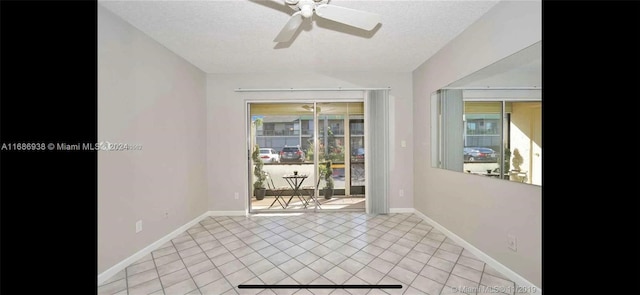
{"x": 291, "y": 154}
{"x": 357, "y": 154}
{"x": 269, "y": 155}
{"x": 479, "y": 154}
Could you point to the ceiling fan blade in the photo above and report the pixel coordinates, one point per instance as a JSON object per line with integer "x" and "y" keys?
{"x": 355, "y": 18}
{"x": 290, "y": 28}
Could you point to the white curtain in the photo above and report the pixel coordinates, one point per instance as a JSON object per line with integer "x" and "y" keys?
{"x": 452, "y": 129}
{"x": 376, "y": 104}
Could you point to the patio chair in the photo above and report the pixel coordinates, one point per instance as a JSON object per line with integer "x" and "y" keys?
{"x": 310, "y": 189}
{"x": 276, "y": 191}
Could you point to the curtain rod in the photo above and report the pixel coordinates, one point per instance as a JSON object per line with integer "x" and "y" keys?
{"x": 306, "y": 89}
{"x": 494, "y": 88}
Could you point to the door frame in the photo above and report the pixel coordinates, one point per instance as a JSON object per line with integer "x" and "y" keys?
{"x": 249, "y": 148}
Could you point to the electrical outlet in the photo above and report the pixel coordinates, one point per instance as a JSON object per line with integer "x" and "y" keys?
{"x": 236, "y": 195}
{"x": 403, "y": 143}
{"x": 401, "y": 193}
{"x": 511, "y": 242}
{"x": 166, "y": 214}
{"x": 139, "y": 226}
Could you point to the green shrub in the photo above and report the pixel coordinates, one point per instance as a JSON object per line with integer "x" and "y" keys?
{"x": 261, "y": 176}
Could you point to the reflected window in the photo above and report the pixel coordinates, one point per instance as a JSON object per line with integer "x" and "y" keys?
{"x": 489, "y": 132}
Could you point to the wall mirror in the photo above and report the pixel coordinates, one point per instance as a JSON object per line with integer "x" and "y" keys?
{"x": 490, "y": 123}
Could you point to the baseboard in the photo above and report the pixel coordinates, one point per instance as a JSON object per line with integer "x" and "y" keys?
{"x": 107, "y": 274}
{"x": 227, "y": 213}
{"x": 519, "y": 280}
{"x": 401, "y": 210}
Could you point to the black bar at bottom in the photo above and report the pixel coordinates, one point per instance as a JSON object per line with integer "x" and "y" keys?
{"x": 319, "y": 286}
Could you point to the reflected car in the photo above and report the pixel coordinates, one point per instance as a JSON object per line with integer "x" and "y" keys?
{"x": 291, "y": 154}
{"x": 269, "y": 155}
{"x": 357, "y": 154}
{"x": 479, "y": 154}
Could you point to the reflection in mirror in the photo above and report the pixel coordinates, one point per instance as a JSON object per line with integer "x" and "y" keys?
{"x": 490, "y": 123}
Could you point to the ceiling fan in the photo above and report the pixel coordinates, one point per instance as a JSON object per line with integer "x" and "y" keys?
{"x": 318, "y": 109}
{"x": 306, "y": 8}
{"x": 310, "y": 108}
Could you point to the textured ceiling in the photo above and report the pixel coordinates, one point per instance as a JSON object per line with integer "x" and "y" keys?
{"x": 236, "y": 36}
{"x": 521, "y": 69}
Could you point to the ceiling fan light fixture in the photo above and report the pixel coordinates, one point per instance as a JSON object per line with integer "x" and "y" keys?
{"x": 307, "y": 10}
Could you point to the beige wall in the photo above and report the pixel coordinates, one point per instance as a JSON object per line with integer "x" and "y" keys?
{"x": 146, "y": 95}
{"x": 526, "y": 133}
{"x": 480, "y": 210}
{"x": 226, "y": 123}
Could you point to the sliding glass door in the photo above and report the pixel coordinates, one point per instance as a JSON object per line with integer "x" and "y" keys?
{"x": 302, "y": 155}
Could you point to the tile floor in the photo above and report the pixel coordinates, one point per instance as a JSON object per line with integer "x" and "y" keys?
{"x": 338, "y": 248}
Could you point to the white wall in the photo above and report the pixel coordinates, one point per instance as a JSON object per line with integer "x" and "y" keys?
{"x": 146, "y": 95}
{"x": 480, "y": 210}
{"x": 226, "y": 127}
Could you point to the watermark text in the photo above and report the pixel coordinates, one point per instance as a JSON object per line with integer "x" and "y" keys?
{"x": 494, "y": 289}
{"x": 65, "y": 146}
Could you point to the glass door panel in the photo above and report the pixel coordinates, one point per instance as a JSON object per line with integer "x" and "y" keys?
{"x": 340, "y": 131}
{"x": 482, "y": 137}
{"x": 356, "y": 139}
{"x": 283, "y": 133}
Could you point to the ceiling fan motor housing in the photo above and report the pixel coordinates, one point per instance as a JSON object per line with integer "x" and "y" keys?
{"x": 306, "y": 7}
